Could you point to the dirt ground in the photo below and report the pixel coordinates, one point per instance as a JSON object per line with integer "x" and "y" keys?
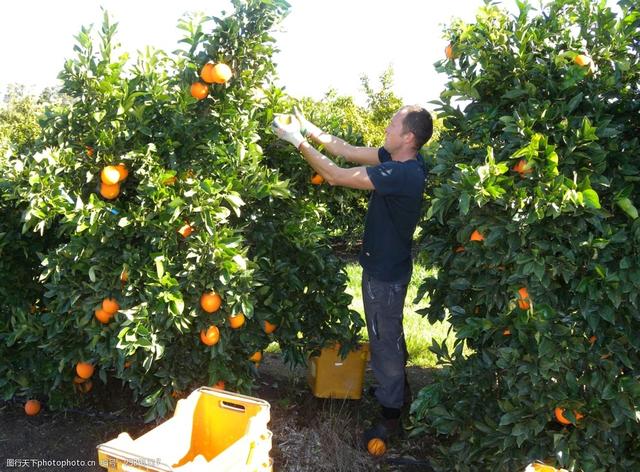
{"x": 309, "y": 434}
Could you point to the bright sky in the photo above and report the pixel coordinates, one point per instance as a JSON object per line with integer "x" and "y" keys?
{"x": 328, "y": 43}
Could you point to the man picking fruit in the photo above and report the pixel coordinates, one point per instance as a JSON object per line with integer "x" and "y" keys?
{"x": 395, "y": 175}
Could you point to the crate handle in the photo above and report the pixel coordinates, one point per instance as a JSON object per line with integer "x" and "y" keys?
{"x": 339, "y": 364}
{"x": 232, "y": 406}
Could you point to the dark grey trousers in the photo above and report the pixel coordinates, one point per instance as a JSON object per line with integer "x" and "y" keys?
{"x": 383, "y": 304}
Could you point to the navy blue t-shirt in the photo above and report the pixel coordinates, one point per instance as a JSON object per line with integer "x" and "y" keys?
{"x": 392, "y": 216}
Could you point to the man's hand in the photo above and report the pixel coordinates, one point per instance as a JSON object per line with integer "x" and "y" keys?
{"x": 307, "y": 128}
{"x": 287, "y": 127}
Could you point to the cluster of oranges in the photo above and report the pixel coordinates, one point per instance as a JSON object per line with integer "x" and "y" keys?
{"x": 110, "y": 179}
{"x": 210, "y": 302}
{"x": 107, "y": 309}
{"x": 210, "y": 73}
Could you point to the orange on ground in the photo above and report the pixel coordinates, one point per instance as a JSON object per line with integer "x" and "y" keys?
{"x": 448, "y": 51}
{"x": 110, "y": 305}
{"x": 523, "y": 298}
{"x": 559, "y": 414}
{"x": 84, "y": 370}
{"x": 236, "y": 321}
{"x": 256, "y": 357}
{"x": 582, "y": 60}
{"x": 476, "y": 236}
{"x": 32, "y": 407}
{"x": 122, "y": 171}
{"x": 199, "y": 90}
{"x": 221, "y": 73}
{"x": 219, "y": 384}
{"x": 376, "y": 447}
{"x": 185, "y": 230}
{"x": 210, "y": 302}
{"x": 109, "y": 191}
{"x": 110, "y": 175}
{"x": 317, "y": 179}
{"x": 102, "y": 316}
{"x": 211, "y": 336}
{"x": 269, "y": 327}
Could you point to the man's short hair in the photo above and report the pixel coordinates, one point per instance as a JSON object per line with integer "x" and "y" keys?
{"x": 419, "y": 122}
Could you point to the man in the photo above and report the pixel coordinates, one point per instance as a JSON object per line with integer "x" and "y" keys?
{"x": 396, "y": 176}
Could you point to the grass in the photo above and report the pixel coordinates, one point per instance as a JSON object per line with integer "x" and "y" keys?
{"x": 419, "y": 333}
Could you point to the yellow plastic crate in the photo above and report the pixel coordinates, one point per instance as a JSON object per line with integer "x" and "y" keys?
{"x": 330, "y": 376}
{"x": 210, "y": 430}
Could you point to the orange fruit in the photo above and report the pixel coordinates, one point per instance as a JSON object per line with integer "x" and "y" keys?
{"x": 32, "y": 407}
{"x": 236, "y": 321}
{"x": 85, "y": 387}
{"x": 102, "y": 316}
{"x": 185, "y": 230}
{"x": 582, "y": 60}
{"x": 210, "y": 302}
{"x": 506, "y": 332}
{"x": 124, "y": 275}
{"x": 219, "y": 385}
{"x": 269, "y": 327}
{"x": 122, "y": 171}
{"x": 448, "y": 51}
{"x": 211, "y": 336}
{"x": 110, "y": 305}
{"x": 206, "y": 73}
{"x": 199, "y": 90}
{"x": 538, "y": 467}
{"x": 78, "y": 380}
{"x": 523, "y": 298}
{"x": 559, "y": 414}
{"x": 127, "y": 364}
{"x": 317, "y": 179}
{"x": 593, "y": 339}
{"x": 109, "y": 191}
{"x": 522, "y": 167}
{"x": 84, "y": 370}
{"x": 221, "y": 73}
{"x": 476, "y": 236}
{"x": 89, "y": 150}
{"x": 256, "y": 357}
{"x": 110, "y": 175}
{"x": 376, "y": 447}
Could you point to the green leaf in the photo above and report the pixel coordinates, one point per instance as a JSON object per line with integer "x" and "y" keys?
{"x": 628, "y": 207}
{"x": 591, "y": 199}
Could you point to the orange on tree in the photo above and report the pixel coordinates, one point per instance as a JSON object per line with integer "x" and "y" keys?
{"x": 256, "y": 356}
{"x": 448, "y": 51}
{"x": 220, "y": 73}
{"x": 110, "y": 305}
{"x": 109, "y": 191}
{"x": 102, "y": 316}
{"x": 219, "y": 385}
{"x": 110, "y": 175}
{"x": 78, "y": 380}
{"x": 476, "y": 236}
{"x": 269, "y": 327}
{"x": 199, "y": 90}
{"x": 582, "y": 60}
{"x": 376, "y": 447}
{"x": 89, "y": 150}
{"x": 206, "y": 73}
{"x": 236, "y": 321}
{"x": 593, "y": 339}
{"x": 523, "y": 298}
{"x": 84, "y": 370}
{"x": 210, "y": 302}
{"x": 32, "y": 407}
{"x": 317, "y": 179}
{"x": 559, "y": 414}
{"x": 522, "y": 167}
{"x": 122, "y": 171}
{"x": 210, "y": 336}
{"x": 185, "y": 230}
{"x": 506, "y": 332}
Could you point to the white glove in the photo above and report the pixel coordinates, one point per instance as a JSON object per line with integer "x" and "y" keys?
{"x": 287, "y": 127}
{"x": 307, "y": 128}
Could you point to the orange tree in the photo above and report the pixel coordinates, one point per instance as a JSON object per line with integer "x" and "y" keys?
{"x": 158, "y": 192}
{"x": 533, "y": 228}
